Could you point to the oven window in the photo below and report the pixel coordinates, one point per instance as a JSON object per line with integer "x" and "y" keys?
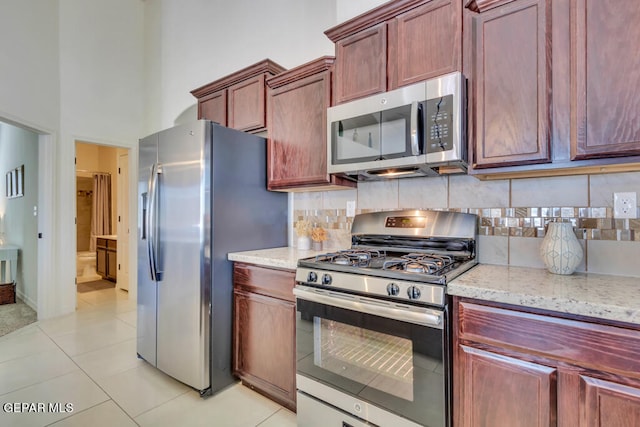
{"x": 395, "y": 365}
{"x": 379, "y": 360}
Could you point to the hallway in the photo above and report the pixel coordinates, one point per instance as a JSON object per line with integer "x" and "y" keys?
{"x": 88, "y": 359}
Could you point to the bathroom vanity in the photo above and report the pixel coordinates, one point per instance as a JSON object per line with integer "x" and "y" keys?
{"x": 107, "y": 257}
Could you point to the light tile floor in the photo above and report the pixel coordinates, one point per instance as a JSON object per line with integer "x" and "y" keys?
{"x": 88, "y": 359}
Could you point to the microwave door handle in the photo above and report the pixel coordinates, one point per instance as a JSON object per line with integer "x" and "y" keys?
{"x": 415, "y": 145}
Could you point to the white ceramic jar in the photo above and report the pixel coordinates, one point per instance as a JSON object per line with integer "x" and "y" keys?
{"x": 561, "y": 251}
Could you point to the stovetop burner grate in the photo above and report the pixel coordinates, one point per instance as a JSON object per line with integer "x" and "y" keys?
{"x": 419, "y": 263}
{"x": 352, "y": 257}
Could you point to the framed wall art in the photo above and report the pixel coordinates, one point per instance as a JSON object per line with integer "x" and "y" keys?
{"x": 14, "y": 183}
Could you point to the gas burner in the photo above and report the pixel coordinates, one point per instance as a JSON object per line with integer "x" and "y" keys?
{"x": 419, "y": 263}
{"x": 351, "y": 257}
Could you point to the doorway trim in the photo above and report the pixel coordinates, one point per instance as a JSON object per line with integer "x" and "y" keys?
{"x": 132, "y": 207}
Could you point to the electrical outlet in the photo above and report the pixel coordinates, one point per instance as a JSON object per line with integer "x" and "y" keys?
{"x": 625, "y": 205}
{"x": 351, "y": 208}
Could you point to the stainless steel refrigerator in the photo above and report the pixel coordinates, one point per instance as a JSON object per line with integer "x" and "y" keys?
{"x": 202, "y": 194}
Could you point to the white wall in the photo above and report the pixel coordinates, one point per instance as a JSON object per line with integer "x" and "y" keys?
{"x": 72, "y": 69}
{"x": 193, "y": 42}
{"x": 29, "y": 75}
{"x": 111, "y": 71}
{"x": 101, "y": 92}
{"x": 20, "y": 147}
{"x": 347, "y": 9}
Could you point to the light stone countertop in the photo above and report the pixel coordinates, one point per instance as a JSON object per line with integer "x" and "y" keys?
{"x": 586, "y": 294}
{"x": 286, "y": 257}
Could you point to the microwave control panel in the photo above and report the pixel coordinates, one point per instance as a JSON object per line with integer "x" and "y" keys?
{"x": 439, "y": 124}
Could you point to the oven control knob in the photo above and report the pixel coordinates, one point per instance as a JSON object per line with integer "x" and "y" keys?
{"x": 393, "y": 289}
{"x": 413, "y": 292}
{"x": 326, "y": 279}
{"x": 312, "y": 276}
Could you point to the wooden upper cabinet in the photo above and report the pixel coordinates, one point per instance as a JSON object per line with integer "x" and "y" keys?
{"x": 605, "y": 88}
{"x": 510, "y": 81}
{"x": 425, "y": 42}
{"x": 214, "y": 107}
{"x": 297, "y": 121}
{"x": 361, "y": 68}
{"x": 238, "y": 100}
{"x": 247, "y": 104}
{"x": 396, "y": 44}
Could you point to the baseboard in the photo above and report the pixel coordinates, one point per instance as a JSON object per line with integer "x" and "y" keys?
{"x": 31, "y": 303}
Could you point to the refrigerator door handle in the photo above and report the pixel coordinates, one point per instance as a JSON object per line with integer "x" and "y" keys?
{"x": 152, "y": 222}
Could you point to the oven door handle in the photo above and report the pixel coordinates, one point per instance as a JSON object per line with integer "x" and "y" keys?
{"x": 404, "y": 313}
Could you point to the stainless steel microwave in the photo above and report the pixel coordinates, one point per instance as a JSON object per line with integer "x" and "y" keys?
{"x": 417, "y": 130}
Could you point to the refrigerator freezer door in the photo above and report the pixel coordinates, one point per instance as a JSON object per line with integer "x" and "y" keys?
{"x": 184, "y": 251}
{"x": 146, "y": 326}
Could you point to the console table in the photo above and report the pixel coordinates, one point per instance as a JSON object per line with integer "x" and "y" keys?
{"x": 8, "y": 271}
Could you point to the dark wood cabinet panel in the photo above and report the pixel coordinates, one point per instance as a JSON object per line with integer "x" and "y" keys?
{"x": 425, "y": 42}
{"x": 606, "y": 78}
{"x": 396, "y": 44}
{"x": 264, "y": 331}
{"x": 246, "y": 104}
{"x": 238, "y": 100}
{"x": 549, "y": 369}
{"x": 264, "y": 346}
{"x": 361, "y": 64}
{"x": 500, "y": 390}
{"x": 297, "y": 146}
{"x": 107, "y": 258}
{"x": 214, "y": 107}
{"x": 511, "y": 84}
{"x": 608, "y": 404}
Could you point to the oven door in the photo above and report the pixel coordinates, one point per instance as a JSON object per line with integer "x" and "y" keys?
{"x": 380, "y": 361}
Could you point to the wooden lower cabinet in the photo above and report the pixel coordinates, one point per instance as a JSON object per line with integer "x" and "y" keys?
{"x": 107, "y": 258}
{"x": 497, "y": 388}
{"x": 264, "y": 331}
{"x": 514, "y": 367}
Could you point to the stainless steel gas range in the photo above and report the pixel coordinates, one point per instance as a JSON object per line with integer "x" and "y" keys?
{"x": 372, "y": 327}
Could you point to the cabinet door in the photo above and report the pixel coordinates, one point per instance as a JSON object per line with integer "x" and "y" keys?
{"x": 214, "y": 107}
{"x": 497, "y": 390}
{"x": 425, "y": 42}
{"x": 361, "y": 64}
{"x": 264, "y": 344}
{"x": 510, "y": 80}
{"x": 298, "y": 132}
{"x": 101, "y": 262}
{"x": 605, "y": 78}
{"x": 608, "y": 404}
{"x": 112, "y": 265}
{"x": 247, "y": 104}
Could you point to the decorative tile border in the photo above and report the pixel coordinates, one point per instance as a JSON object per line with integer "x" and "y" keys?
{"x": 590, "y": 223}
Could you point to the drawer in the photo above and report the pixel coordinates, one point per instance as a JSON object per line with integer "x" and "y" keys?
{"x": 263, "y": 280}
{"x": 101, "y": 243}
{"x": 575, "y": 342}
{"x": 112, "y": 244}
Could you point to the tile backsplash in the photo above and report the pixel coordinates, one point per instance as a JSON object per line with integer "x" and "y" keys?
{"x": 512, "y": 214}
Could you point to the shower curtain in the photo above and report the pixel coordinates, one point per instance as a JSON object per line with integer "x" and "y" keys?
{"x": 101, "y": 209}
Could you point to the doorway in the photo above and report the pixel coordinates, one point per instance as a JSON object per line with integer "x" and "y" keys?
{"x": 102, "y": 199}
{"x": 19, "y": 201}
